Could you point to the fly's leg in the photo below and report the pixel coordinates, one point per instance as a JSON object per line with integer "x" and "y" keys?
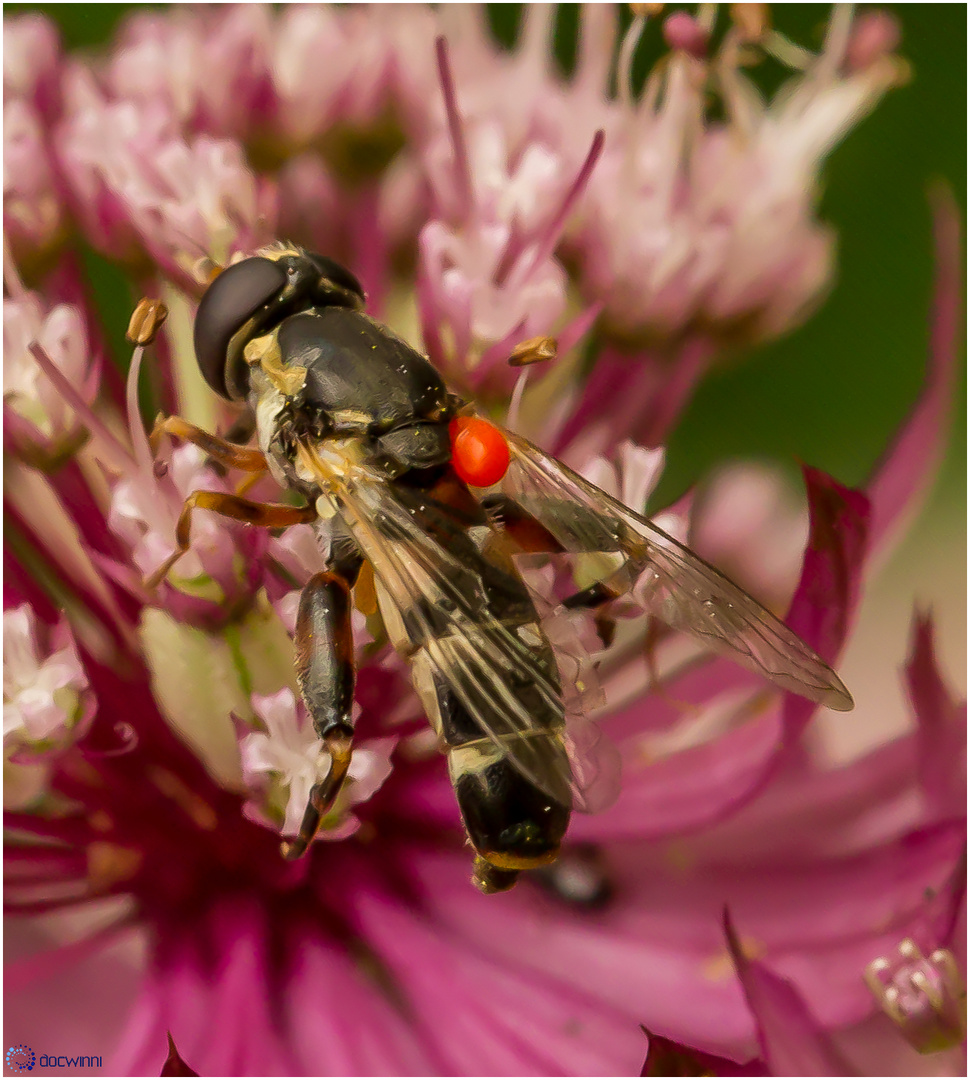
{"x": 532, "y": 536}
{"x": 596, "y": 598}
{"x": 267, "y": 515}
{"x": 326, "y": 673}
{"x": 226, "y": 453}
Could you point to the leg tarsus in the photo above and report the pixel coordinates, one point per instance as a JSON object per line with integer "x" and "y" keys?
{"x": 267, "y": 515}
{"x": 322, "y": 795}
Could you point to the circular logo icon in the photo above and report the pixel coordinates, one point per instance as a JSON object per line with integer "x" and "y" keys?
{"x": 21, "y": 1059}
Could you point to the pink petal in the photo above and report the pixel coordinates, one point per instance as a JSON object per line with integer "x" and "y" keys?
{"x": 489, "y": 1018}
{"x": 174, "y": 1065}
{"x": 828, "y": 592}
{"x": 942, "y": 725}
{"x": 705, "y": 782}
{"x": 214, "y": 994}
{"x": 341, "y": 1023}
{"x": 874, "y": 900}
{"x": 792, "y": 1043}
{"x": 817, "y": 811}
{"x": 668, "y": 1058}
{"x": 642, "y": 957}
{"x": 690, "y": 789}
{"x": 655, "y": 952}
{"x": 59, "y": 1011}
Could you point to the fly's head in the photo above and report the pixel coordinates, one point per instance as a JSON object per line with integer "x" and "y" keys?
{"x": 241, "y": 309}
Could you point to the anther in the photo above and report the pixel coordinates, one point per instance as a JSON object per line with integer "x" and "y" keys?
{"x": 752, "y": 21}
{"x": 534, "y": 351}
{"x": 146, "y": 320}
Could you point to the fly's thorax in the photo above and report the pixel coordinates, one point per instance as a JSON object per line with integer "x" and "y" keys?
{"x": 355, "y": 365}
{"x": 334, "y": 374}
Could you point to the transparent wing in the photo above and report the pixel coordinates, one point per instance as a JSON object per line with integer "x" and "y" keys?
{"x": 666, "y": 578}
{"x": 439, "y": 607}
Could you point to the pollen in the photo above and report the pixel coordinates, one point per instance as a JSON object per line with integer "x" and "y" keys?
{"x": 479, "y": 451}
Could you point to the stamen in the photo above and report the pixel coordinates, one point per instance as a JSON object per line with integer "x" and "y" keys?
{"x": 533, "y": 351}
{"x": 136, "y": 430}
{"x": 752, "y": 21}
{"x": 594, "y": 51}
{"x": 786, "y": 52}
{"x": 875, "y": 34}
{"x": 925, "y": 998}
{"x": 515, "y": 403}
{"x": 686, "y": 34}
{"x": 64, "y": 387}
{"x": 836, "y": 41}
{"x": 706, "y": 13}
{"x": 548, "y": 240}
{"x": 146, "y": 320}
{"x": 463, "y": 175}
{"x": 15, "y": 287}
{"x": 624, "y": 64}
{"x": 537, "y": 35}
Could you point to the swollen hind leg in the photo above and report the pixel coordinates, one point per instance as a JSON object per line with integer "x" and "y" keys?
{"x": 326, "y": 674}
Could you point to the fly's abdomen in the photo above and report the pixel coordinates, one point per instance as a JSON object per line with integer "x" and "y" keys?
{"x": 513, "y": 822}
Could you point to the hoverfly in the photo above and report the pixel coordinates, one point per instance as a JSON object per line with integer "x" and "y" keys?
{"x": 394, "y": 468}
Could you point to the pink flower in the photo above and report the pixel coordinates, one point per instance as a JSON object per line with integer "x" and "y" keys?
{"x": 289, "y": 754}
{"x": 145, "y": 836}
{"x": 39, "y": 421}
{"x": 137, "y": 182}
{"x": 924, "y": 998}
{"x": 172, "y": 59}
{"x": 47, "y": 702}
{"x": 709, "y": 224}
{"x": 33, "y": 214}
{"x": 31, "y": 57}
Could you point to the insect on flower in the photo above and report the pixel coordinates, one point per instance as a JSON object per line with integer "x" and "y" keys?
{"x": 395, "y": 469}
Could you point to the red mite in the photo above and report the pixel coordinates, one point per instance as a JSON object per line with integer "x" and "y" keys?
{"x": 479, "y": 452}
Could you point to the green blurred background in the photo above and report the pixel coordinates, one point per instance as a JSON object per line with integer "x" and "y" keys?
{"x": 833, "y": 392}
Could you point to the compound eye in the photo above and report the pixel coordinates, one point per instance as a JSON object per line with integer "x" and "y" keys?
{"x": 229, "y": 303}
{"x": 338, "y": 274}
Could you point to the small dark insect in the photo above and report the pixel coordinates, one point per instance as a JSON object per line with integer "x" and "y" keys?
{"x": 359, "y": 423}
